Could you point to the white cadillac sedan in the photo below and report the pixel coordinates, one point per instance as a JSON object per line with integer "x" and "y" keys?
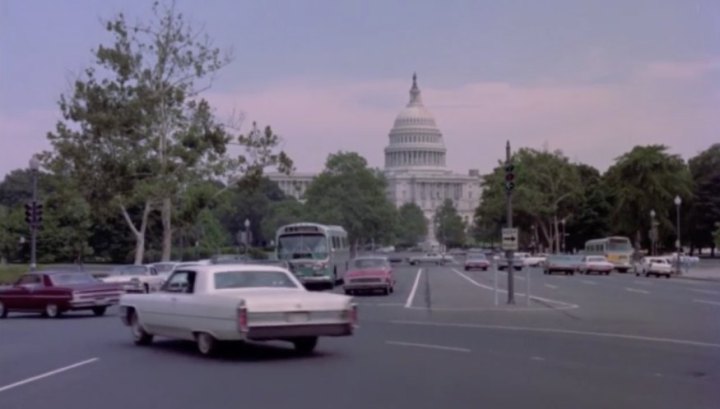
{"x": 237, "y": 302}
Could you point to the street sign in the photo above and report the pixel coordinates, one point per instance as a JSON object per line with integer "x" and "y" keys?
{"x": 510, "y": 239}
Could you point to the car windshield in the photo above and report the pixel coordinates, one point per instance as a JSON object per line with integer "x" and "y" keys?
{"x": 619, "y": 245}
{"x": 363, "y": 263}
{"x": 129, "y": 271}
{"x": 252, "y": 279}
{"x": 305, "y": 246}
{"x": 72, "y": 278}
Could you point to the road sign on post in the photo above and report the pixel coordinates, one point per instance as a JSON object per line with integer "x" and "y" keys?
{"x": 510, "y": 238}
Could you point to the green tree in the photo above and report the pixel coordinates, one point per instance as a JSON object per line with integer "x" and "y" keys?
{"x": 705, "y": 203}
{"x": 412, "y": 225}
{"x": 646, "y": 178}
{"x": 590, "y": 218}
{"x": 350, "y": 194}
{"x": 450, "y": 229}
{"x": 281, "y": 213}
{"x": 12, "y": 228}
{"x": 548, "y": 188}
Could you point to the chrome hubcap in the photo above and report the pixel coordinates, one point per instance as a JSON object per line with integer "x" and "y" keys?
{"x": 204, "y": 343}
{"x": 51, "y": 310}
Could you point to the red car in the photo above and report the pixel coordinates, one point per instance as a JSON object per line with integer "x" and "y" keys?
{"x": 368, "y": 274}
{"x": 53, "y": 293}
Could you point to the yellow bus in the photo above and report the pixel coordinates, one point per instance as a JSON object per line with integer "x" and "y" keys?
{"x": 618, "y": 250}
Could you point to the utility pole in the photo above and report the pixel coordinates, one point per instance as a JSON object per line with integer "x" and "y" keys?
{"x": 509, "y": 186}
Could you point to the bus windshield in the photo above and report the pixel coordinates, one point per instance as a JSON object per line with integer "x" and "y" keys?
{"x": 618, "y": 245}
{"x": 308, "y": 246}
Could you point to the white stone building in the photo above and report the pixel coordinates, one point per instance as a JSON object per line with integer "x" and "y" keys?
{"x": 415, "y": 167}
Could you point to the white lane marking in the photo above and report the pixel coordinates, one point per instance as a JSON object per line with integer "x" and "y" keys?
{"x": 642, "y": 282}
{"x": 430, "y": 346}
{"x": 46, "y": 374}
{"x": 707, "y": 302}
{"x": 637, "y": 290}
{"x": 533, "y": 297}
{"x": 554, "y": 287}
{"x": 711, "y": 292}
{"x": 588, "y": 282}
{"x": 537, "y": 358}
{"x": 409, "y": 301}
{"x": 564, "y": 331}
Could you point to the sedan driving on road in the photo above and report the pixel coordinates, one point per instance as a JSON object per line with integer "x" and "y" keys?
{"x": 369, "y": 274}
{"x": 561, "y": 263}
{"x": 655, "y": 266}
{"x": 595, "y": 264}
{"x": 476, "y": 261}
{"x": 53, "y": 293}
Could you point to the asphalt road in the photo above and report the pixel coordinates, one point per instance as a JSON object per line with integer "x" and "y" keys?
{"x": 438, "y": 342}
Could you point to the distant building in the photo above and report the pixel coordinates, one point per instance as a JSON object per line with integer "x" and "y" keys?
{"x": 415, "y": 167}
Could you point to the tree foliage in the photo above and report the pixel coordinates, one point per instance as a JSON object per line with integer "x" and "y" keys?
{"x": 450, "y": 229}
{"x": 548, "y": 189}
{"x": 644, "y": 179}
{"x": 705, "y": 203}
{"x": 350, "y": 194}
{"x": 411, "y": 226}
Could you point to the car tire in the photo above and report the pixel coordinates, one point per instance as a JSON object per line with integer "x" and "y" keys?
{"x": 348, "y": 292}
{"x": 206, "y": 343}
{"x": 3, "y": 310}
{"x": 146, "y": 289}
{"x": 52, "y": 311}
{"x": 305, "y": 345}
{"x": 140, "y": 336}
{"x": 99, "y": 311}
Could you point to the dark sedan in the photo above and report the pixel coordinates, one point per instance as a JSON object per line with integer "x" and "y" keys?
{"x": 53, "y": 293}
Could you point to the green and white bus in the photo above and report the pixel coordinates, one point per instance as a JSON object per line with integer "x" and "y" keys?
{"x": 317, "y": 254}
{"x": 616, "y": 249}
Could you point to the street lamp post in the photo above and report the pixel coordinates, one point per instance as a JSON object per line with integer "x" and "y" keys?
{"x": 34, "y": 168}
{"x": 678, "y": 202}
{"x": 247, "y": 235}
{"x": 653, "y": 232}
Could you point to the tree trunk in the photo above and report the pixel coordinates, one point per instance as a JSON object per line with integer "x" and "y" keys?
{"x": 556, "y": 233}
{"x": 138, "y": 233}
{"x": 167, "y": 229}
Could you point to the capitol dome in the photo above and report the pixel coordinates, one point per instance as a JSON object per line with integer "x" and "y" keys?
{"x": 416, "y": 143}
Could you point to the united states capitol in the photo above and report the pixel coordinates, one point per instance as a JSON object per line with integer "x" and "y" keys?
{"x": 415, "y": 167}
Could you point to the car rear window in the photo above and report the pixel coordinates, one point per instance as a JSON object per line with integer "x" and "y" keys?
{"x": 72, "y": 278}
{"x": 369, "y": 263}
{"x": 252, "y": 279}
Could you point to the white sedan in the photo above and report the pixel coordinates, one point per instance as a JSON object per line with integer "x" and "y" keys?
{"x": 213, "y": 303}
{"x": 595, "y": 264}
{"x": 136, "y": 279}
{"x": 657, "y": 266}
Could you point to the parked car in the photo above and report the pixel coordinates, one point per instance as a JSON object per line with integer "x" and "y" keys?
{"x": 430, "y": 258}
{"x": 655, "y": 266}
{"x": 240, "y": 302}
{"x": 369, "y": 273}
{"x": 518, "y": 263}
{"x": 53, "y": 293}
{"x": 595, "y": 264}
{"x": 138, "y": 279}
{"x": 561, "y": 263}
{"x": 476, "y": 261}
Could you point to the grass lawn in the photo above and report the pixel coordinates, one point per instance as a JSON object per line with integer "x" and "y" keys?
{"x": 10, "y": 272}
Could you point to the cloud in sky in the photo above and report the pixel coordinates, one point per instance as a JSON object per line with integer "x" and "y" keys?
{"x": 668, "y": 102}
{"x": 673, "y": 103}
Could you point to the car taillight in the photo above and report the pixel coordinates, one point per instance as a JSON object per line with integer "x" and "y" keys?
{"x": 242, "y": 317}
{"x": 352, "y": 314}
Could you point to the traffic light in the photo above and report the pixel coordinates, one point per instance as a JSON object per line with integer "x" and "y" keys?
{"x": 38, "y": 214}
{"x": 509, "y": 177}
{"x": 29, "y": 216}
